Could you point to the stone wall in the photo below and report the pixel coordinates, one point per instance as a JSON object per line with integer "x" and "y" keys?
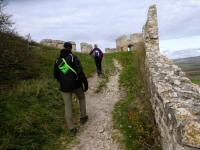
{"x": 134, "y": 40}
{"x": 125, "y": 43}
{"x": 85, "y": 47}
{"x": 52, "y": 43}
{"x": 110, "y": 50}
{"x": 73, "y": 45}
{"x": 57, "y": 43}
{"x": 175, "y": 100}
{"x": 122, "y": 43}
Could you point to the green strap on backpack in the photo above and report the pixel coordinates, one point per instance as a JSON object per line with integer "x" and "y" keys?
{"x": 64, "y": 67}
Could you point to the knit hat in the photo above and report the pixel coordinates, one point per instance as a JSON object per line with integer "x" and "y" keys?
{"x": 68, "y": 45}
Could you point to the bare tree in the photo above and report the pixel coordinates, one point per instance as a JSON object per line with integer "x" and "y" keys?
{"x": 5, "y": 22}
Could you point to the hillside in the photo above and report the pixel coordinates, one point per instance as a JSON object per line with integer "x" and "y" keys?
{"x": 183, "y": 53}
{"x": 31, "y": 106}
{"x": 191, "y": 66}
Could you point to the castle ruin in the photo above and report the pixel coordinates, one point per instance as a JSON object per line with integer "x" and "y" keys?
{"x": 110, "y": 50}
{"x": 128, "y": 43}
{"x": 57, "y": 43}
{"x": 86, "y": 48}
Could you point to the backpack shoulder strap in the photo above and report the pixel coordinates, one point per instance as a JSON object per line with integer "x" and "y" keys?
{"x": 69, "y": 66}
{"x": 72, "y": 57}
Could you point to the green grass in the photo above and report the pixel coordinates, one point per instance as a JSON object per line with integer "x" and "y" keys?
{"x": 32, "y": 115}
{"x": 192, "y": 68}
{"x": 133, "y": 115}
{"x": 87, "y": 63}
{"x": 194, "y": 76}
{"x": 32, "y": 110}
{"x": 196, "y": 81}
{"x": 14, "y": 59}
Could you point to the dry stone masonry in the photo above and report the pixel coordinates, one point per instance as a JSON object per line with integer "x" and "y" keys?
{"x": 53, "y": 43}
{"x": 57, "y": 43}
{"x": 175, "y": 100}
{"x": 110, "y": 50}
{"x": 125, "y": 43}
{"x": 122, "y": 43}
{"x": 73, "y": 46}
{"x": 85, "y": 47}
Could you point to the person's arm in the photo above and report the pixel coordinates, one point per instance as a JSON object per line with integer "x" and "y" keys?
{"x": 81, "y": 75}
{"x": 101, "y": 53}
{"x": 56, "y": 72}
{"x": 91, "y": 51}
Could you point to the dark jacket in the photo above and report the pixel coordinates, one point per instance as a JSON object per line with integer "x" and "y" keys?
{"x": 70, "y": 81}
{"x": 100, "y": 52}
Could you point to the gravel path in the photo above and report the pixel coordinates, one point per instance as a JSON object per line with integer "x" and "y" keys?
{"x": 97, "y": 133}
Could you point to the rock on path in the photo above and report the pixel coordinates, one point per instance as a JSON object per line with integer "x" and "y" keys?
{"x": 97, "y": 132}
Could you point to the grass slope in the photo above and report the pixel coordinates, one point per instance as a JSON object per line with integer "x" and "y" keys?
{"x": 133, "y": 115}
{"x": 32, "y": 110}
{"x": 191, "y": 66}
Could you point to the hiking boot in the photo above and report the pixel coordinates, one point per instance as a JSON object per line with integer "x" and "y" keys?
{"x": 73, "y": 132}
{"x": 83, "y": 120}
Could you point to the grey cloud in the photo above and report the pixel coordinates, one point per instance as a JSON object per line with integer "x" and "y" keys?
{"x": 102, "y": 21}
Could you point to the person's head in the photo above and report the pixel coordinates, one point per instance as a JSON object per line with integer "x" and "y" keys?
{"x": 68, "y": 45}
{"x": 67, "y": 49}
{"x": 95, "y": 46}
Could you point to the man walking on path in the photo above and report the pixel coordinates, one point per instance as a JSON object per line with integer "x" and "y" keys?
{"x": 69, "y": 73}
{"x": 98, "y": 56}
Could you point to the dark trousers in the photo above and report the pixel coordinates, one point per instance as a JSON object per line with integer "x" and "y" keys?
{"x": 98, "y": 65}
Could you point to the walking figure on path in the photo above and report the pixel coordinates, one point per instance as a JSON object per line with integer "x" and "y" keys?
{"x": 69, "y": 73}
{"x": 98, "y": 56}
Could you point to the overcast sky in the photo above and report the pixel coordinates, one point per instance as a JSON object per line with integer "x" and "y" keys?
{"x": 102, "y": 21}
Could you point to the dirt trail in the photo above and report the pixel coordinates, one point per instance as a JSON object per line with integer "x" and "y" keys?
{"x": 97, "y": 132}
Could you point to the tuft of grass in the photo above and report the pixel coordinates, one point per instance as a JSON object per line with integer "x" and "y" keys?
{"x": 196, "y": 81}
{"x": 133, "y": 114}
{"x": 32, "y": 115}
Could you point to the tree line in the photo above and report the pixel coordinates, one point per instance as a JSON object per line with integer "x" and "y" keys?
{"x": 15, "y": 53}
{"x": 5, "y": 19}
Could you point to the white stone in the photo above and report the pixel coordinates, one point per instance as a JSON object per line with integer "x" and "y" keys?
{"x": 177, "y": 82}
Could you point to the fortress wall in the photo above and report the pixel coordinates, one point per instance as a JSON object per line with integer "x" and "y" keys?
{"x": 110, "y": 50}
{"x": 73, "y": 45}
{"x": 57, "y": 43}
{"x": 174, "y": 98}
{"x": 124, "y": 42}
{"x": 86, "y": 48}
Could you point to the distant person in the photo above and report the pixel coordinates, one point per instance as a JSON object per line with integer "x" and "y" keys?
{"x": 98, "y": 56}
{"x": 69, "y": 73}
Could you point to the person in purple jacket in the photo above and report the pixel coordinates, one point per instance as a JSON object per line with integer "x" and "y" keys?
{"x": 98, "y": 56}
